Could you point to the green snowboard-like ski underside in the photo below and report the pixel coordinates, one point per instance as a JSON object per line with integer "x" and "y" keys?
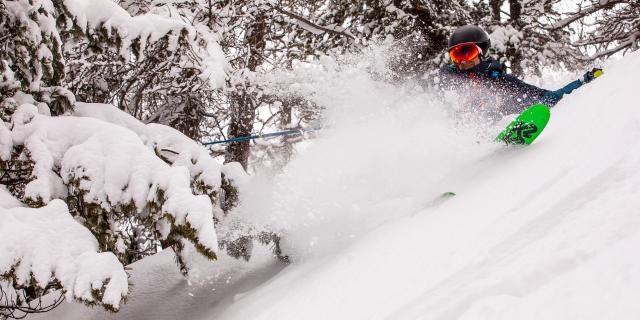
{"x": 526, "y": 127}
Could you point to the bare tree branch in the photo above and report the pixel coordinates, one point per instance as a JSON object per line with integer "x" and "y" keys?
{"x": 313, "y": 25}
{"x": 585, "y": 12}
{"x": 606, "y": 53}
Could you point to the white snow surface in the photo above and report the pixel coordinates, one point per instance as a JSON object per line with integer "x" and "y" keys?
{"x": 7, "y": 200}
{"x": 6, "y": 142}
{"x": 548, "y": 231}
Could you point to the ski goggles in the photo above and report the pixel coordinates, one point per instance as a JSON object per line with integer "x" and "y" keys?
{"x": 464, "y": 52}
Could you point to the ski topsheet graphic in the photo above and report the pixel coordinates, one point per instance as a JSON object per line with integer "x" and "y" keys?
{"x": 527, "y": 126}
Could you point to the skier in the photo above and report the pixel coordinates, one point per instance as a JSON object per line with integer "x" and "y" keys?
{"x": 500, "y": 92}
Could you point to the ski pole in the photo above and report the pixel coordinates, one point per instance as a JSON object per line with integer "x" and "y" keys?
{"x": 262, "y": 136}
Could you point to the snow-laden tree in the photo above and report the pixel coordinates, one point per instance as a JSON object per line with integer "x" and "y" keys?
{"x": 129, "y": 189}
{"x": 31, "y": 55}
{"x": 159, "y": 69}
{"x": 45, "y": 250}
{"x": 606, "y": 27}
{"x": 221, "y": 112}
{"x": 155, "y": 65}
{"x": 524, "y": 37}
{"x": 256, "y": 37}
{"x": 528, "y": 36}
{"x": 115, "y": 184}
{"x": 419, "y": 29}
{"x": 246, "y": 29}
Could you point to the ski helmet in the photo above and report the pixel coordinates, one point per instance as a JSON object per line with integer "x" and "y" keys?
{"x": 470, "y": 34}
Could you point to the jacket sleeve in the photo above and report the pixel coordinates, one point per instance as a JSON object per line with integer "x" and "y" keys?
{"x": 523, "y": 89}
{"x": 520, "y": 94}
{"x": 552, "y": 97}
{"x": 530, "y": 94}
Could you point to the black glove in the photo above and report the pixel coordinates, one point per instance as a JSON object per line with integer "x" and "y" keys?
{"x": 590, "y": 75}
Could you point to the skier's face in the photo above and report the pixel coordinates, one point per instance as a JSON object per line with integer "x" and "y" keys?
{"x": 466, "y": 65}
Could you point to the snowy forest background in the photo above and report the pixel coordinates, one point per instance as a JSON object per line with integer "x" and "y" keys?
{"x": 104, "y": 106}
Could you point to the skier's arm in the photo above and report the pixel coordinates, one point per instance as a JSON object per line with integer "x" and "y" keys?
{"x": 522, "y": 88}
{"x": 524, "y": 94}
{"x": 530, "y": 94}
{"x": 550, "y": 98}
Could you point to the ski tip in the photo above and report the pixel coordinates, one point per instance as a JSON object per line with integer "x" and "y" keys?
{"x": 448, "y": 194}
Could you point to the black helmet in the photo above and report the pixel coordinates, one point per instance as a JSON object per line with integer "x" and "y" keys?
{"x": 470, "y": 33}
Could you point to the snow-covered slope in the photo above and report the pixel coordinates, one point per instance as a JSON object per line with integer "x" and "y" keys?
{"x": 550, "y": 231}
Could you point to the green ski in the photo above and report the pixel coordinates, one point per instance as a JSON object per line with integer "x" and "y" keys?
{"x": 526, "y": 127}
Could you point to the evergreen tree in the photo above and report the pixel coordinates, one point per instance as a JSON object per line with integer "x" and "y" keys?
{"x": 164, "y": 79}
{"x": 31, "y": 59}
{"x": 150, "y": 63}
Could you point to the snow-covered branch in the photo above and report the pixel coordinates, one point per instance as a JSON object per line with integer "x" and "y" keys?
{"x": 107, "y": 17}
{"x": 46, "y": 248}
{"x": 204, "y": 171}
{"x": 109, "y": 167}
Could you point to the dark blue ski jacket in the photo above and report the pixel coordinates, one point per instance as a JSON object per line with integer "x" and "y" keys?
{"x": 506, "y": 93}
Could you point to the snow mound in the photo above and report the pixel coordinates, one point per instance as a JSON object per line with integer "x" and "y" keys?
{"x": 47, "y": 243}
{"x": 7, "y": 200}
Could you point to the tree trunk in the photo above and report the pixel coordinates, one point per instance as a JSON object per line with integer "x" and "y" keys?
{"x": 515, "y": 12}
{"x": 243, "y": 104}
{"x": 285, "y": 123}
{"x": 243, "y": 115}
{"x": 495, "y": 9}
